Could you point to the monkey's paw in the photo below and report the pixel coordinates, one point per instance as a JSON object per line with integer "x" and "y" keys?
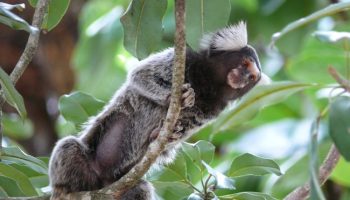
{"x": 178, "y": 132}
{"x": 188, "y": 96}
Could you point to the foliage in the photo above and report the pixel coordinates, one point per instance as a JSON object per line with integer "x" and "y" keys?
{"x": 10, "y": 19}
{"x": 57, "y": 9}
{"x": 11, "y": 95}
{"x": 218, "y": 165}
{"x": 21, "y": 174}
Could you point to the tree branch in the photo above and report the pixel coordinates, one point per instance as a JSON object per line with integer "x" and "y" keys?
{"x": 325, "y": 171}
{"x": 29, "y": 51}
{"x": 343, "y": 82}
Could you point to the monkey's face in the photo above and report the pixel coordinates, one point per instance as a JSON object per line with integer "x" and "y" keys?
{"x": 240, "y": 71}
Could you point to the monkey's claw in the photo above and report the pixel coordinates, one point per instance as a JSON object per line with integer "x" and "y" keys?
{"x": 188, "y": 96}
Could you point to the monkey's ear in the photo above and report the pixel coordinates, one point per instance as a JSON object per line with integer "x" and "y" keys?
{"x": 232, "y": 38}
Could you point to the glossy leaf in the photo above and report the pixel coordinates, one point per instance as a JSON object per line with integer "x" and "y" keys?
{"x": 248, "y": 196}
{"x": 248, "y": 164}
{"x": 193, "y": 153}
{"x": 341, "y": 173}
{"x": 56, "y": 11}
{"x": 142, "y": 23}
{"x": 175, "y": 190}
{"x": 12, "y": 20}
{"x": 206, "y": 150}
{"x": 21, "y": 179}
{"x": 202, "y": 17}
{"x": 251, "y": 103}
{"x": 11, "y": 95}
{"x": 40, "y": 181}
{"x": 176, "y": 171}
{"x": 339, "y": 124}
{"x": 222, "y": 181}
{"x": 78, "y": 107}
{"x": 14, "y": 154}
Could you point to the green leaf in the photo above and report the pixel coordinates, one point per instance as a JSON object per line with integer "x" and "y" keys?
{"x": 202, "y": 16}
{"x": 248, "y": 196}
{"x": 176, "y": 171}
{"x": 10, "y": 186}
{"x": 37, "y": 179}
{"x": 329, "y": 10}
{"x": 193, "y": 153}
{"x": 339, "y": 124}
{"x": 341, "y": 173}
{"x": 11, "y": 95}
{"x": 172, "y": 190}
{"x": 179, "y": 166}
{"x": 15, "y": 155}
{"x": 21, "y": 179}
{"x": 248, "y": 164}
{"x": 311, "y": 64}
{"x": 12, "y": 20}
{"x": 295, "y": 175}
{"x": 206, "y": 150}
{"x": 56, "y": 11}
{"x": 142, "y": 23}
{"x": 251, "y": 103}
{"x": 222, "y": 181}
{"x": 40, "y": 181}
{"x": 77, "y": 107}
{"x": 17, "y": 128}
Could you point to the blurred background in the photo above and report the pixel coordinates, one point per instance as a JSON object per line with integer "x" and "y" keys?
{"x": 85, "y": 53}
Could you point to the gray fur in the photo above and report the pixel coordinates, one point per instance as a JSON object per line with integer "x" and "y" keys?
{"x": 117, "y": 138}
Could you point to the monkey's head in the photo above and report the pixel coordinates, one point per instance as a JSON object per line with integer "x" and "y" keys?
{"x": 235, "y": 64}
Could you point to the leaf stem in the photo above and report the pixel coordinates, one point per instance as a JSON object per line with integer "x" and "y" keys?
{"x": 192, "y": 186}
{"x": 206, "y": 185}
{"x": 347, "y": 57}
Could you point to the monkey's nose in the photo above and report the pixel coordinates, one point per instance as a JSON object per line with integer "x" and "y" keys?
{"x": 253, "y": 72}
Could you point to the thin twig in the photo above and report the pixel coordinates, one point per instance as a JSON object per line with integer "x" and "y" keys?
{"x": 325, "y": 170}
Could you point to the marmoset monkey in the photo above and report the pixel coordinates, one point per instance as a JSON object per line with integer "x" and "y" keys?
{"x": 224, "y": 69}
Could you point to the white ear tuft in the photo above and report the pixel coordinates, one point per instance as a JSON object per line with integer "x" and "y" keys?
{"x": 233, "y": 37}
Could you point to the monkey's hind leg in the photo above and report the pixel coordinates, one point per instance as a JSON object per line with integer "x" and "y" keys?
{"x": 142, "y": 191}
{"x": 70, "y": 168}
